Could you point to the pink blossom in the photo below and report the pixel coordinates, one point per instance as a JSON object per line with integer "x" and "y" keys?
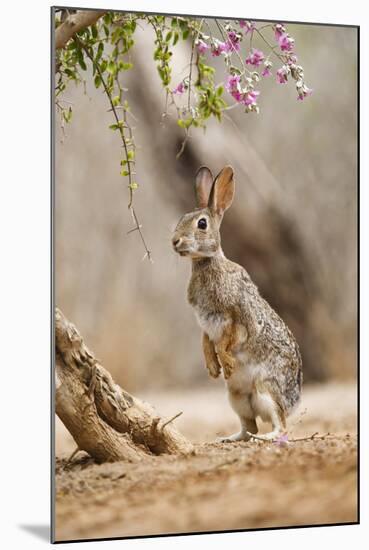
{"x": 179, "y": 90}
{"x": 232, "y": 82}
{"x": 278, "y": 31}
{"x": 251, "y": 97}
{"x": 266, "y": 71}
{"x": 248, "y": 25}
{"x": 233, "y": 42}
{"x": 286, "y": 42}
{"x": 218, "y": 48}
{"x": 233, "y": 86}
{"x": 303, "y": 92}
{"x": 202, "y": 46}
{"x": 282, "y": 74}
{"x": 255, "y": 58}
{"x": 292, "y": 59}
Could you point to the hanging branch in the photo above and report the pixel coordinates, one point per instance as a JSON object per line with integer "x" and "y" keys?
{"x": 121, "y": 126}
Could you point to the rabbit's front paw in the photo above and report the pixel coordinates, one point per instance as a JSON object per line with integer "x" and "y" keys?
{"x": 228, "y": 363}
{"x": 213, "y": 368}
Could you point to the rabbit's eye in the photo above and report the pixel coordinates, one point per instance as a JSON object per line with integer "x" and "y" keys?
{"x": 202, "y": 223}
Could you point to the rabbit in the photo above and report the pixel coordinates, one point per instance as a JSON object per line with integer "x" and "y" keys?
{"x": 241, "y": 334}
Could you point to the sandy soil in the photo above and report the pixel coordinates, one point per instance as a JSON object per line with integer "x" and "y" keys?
{"x": 220, "y": 486}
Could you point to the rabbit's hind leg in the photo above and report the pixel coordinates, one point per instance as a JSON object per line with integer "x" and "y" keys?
{"x": 266, "y": 404}
{"x": 240, "y": 403}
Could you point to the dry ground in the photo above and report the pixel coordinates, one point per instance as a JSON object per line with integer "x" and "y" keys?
{"x": 220, "y": 486}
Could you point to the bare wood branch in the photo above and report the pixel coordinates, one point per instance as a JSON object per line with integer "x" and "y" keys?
{"x": 171, "y": 419}
{"x": 295, "y": 440}
{"x": 104, "y": 420}
{"x": 74, "y": 23}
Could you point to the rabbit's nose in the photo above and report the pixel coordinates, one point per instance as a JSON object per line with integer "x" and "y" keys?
{"x": 176, "y": 241}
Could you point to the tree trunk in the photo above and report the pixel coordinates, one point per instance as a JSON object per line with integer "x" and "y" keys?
{"x": 105, "y": 420}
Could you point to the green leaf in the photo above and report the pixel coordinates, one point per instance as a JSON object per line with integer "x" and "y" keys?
{"x": 175, "y": 38}
{"x": 185, "y": 123}
{"x": 70, "y": 73}
{"x": 81, "y": 61}
{"x": 185, "y": 34}
{"x": 67, "y": 114}
{"x": 100, "y": 50}
{"x": 125, "y": 66}
{"x": 111, "y": 67}
{"x": 97, "y": 81}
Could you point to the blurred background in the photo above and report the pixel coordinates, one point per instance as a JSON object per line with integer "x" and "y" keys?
{"x": 293, "y": 224}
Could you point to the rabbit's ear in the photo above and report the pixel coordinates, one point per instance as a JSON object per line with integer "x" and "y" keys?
{"x": 204, "y": 182}
{"x": 222, "y": 193}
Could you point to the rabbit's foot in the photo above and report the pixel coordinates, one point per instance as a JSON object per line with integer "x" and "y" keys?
{"x": 240, "y": 436}
{"x": 248, "y": 427}
{"x": 270, "y": 436}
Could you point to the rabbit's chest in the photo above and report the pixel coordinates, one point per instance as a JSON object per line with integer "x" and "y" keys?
{"x": 212, "y": 323}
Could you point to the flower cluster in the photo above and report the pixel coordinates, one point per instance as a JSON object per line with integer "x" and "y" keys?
{"x": 255, "y": 58}
{"x": 285, "y": 41}
{"x": 267, "y": 68}
{"x": 218, "y": 47}
{"x": 290, "y": 67}
{"x": 248, "y": 25}
{"x": 246, "y": 95}
{"x": 232, "y": 44}
{"x": 242, "y": 73}
{"x": 202, "y": 46}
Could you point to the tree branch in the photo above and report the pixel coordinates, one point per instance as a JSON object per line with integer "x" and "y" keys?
{"x": 74, "y": 23}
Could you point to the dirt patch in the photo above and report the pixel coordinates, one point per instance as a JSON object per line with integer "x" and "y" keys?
{"x": 220, "y": 486}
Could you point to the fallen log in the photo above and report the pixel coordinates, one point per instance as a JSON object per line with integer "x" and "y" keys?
{"x": 105, "y": 421}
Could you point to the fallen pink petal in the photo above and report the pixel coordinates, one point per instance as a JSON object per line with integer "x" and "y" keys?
{"x": 281, "y": 440}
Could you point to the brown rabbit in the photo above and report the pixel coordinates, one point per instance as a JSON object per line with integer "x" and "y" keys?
{"x": 242, "y": 334}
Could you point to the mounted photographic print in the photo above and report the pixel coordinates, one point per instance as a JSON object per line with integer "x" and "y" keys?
{"x": 205, "y": 242}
